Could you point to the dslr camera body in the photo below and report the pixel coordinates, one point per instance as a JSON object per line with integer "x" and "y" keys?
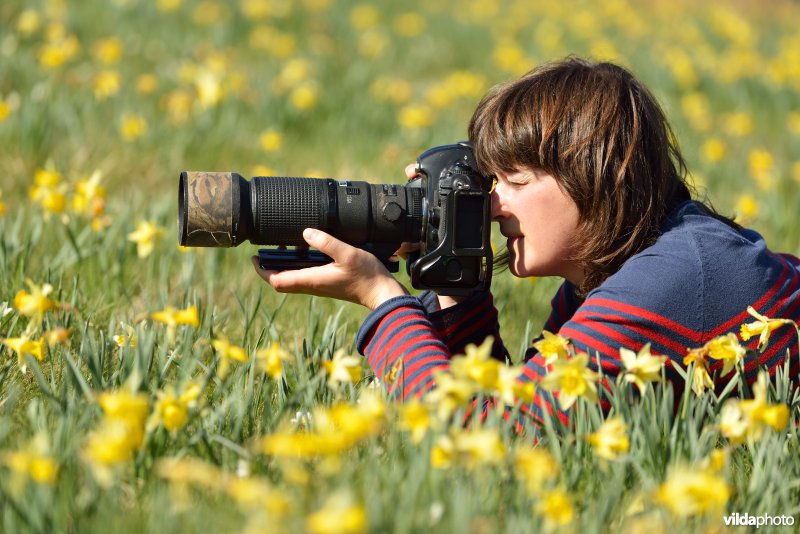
{"x": 445, "y": 208}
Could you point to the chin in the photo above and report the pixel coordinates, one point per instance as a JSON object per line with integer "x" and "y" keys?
{"x": 518, "y": 270}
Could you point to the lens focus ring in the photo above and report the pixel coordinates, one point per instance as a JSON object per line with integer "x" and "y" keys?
{"x": 283, "y": 207}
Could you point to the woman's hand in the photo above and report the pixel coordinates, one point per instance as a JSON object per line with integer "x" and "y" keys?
{"x": 355, "y": 275}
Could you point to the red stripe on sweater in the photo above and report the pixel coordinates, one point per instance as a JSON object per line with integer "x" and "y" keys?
{"x": 683, "y": 330}
{"x": 648, "y": 333}
{"x": 766, "y": 297}
{"x": 593, "y": 344}
{"x": 390, "y": 318}
{"x": 396, "y": 344}
{"x": 424, "y": 374}
{"x": 467, "y": 332}
{"x": 445, "y": 332}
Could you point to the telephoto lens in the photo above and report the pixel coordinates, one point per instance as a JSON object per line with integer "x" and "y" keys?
{"x": 222, "y": 209}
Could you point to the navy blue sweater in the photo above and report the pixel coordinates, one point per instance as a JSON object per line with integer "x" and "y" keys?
{"x": 693, "y": 284}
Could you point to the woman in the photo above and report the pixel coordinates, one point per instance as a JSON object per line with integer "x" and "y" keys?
{"x": 590, "y": 186}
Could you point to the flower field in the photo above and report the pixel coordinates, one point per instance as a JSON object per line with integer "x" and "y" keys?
{"x": 145, "y": 387}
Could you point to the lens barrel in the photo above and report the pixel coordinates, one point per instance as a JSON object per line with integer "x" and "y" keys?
{"x": 222, "y": 209}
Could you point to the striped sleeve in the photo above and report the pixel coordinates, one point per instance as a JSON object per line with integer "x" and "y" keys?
{"x": 468, "y": 322}
{"x": 405, "y": 350}
{"x": 402, "y": 347}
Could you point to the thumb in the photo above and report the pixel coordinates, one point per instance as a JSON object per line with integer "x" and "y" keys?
{"x": 324, "y": 242}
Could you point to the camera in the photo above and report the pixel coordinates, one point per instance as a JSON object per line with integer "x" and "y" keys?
{"x": 445, "y": 208}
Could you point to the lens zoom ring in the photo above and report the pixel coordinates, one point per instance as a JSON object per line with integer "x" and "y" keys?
{"x": 284, "y": 206}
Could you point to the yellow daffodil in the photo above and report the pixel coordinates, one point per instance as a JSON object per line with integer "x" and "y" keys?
{"x": 689, "y": 492}
{"x": 552, "y": 347}
{"x": 746, "y": 420}
{"x": 190, "y": 471}
{"x": 342, "y": 369}
{"x": 701, "y": 379}
{"x": 29, "y": 21}
{"x": 746, "y": 207}
{"x": 468, "y": 448}
{"x": 611, "y": 439}
{"x": 132, "y": 126}
{"x": 146, "y": 83}
{"x": 371, "y": 404}
{"x": 335, "y": 430}
{"x": 415, "y": 116}
{"x": 32, "y": 462}
{"x": 416, "y": 419}
{"x": 172, "y": 408}
{"x": 509, "y": 389}
{"x": 364, "y": 17}
{"x": 555, "y": 506}
{"x": 572, "y": 379}
{"x": 112, "y": 443}
{"x": 762, "y": 327}
{"x": 124, "y": 405}
{"x": 641, "y": 367}
{"x": 728, "y": 349}
{"x": 145, "y": 236}
{"x": 270, "y": 140}
{"x": 450, "y": 394}
{"x": 732, "y": 423}
{"x": 479, "y": 447}
{"x": 536, "y": 466}
{"x": 35, "y": 303}
{"x": 442, "y": 452}
{"x": 257, "y": 494}
{"x": 477, "y": 365}
{"x": 106, "y": 83}
{"x": 57, "y": 336}
{"x": 338, "y": 515}
{"x": 271, "y": 360}
{"x": 713, "y": 149}
{"x": 58, "y": 50}
{"x": 120, "y": 434}
{"x": 128, "y": 338}
{"x": 89, "y": 198}
{"x": 210, "y": 91}
{"x": 173, "y": 318}
{"x": 49, "y": 191}
{"x": 22, "y": 346}
{"x": 107, "y": 51}
{"x": 227, "y": 352}
{"x": 304, "y": 96}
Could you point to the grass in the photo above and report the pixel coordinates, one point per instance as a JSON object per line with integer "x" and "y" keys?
{"x": 221, "y": 75}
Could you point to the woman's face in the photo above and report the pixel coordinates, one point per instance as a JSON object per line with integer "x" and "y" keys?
{"x": 540, "y": 222}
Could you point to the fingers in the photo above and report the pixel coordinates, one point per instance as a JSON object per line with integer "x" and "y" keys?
{"x": 407, "y": 247}
{"x": 340, "y": 251}
{"x": 411, "y": 170}
{"x": 294, "y": 281}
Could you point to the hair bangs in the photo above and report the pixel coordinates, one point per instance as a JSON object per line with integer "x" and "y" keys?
{"x": 502, "y": 131}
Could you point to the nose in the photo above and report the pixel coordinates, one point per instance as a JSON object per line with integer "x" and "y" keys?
{"x": 496, "y": 200}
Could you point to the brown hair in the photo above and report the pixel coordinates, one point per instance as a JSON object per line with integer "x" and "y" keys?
{"x": 605, "y": 139}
